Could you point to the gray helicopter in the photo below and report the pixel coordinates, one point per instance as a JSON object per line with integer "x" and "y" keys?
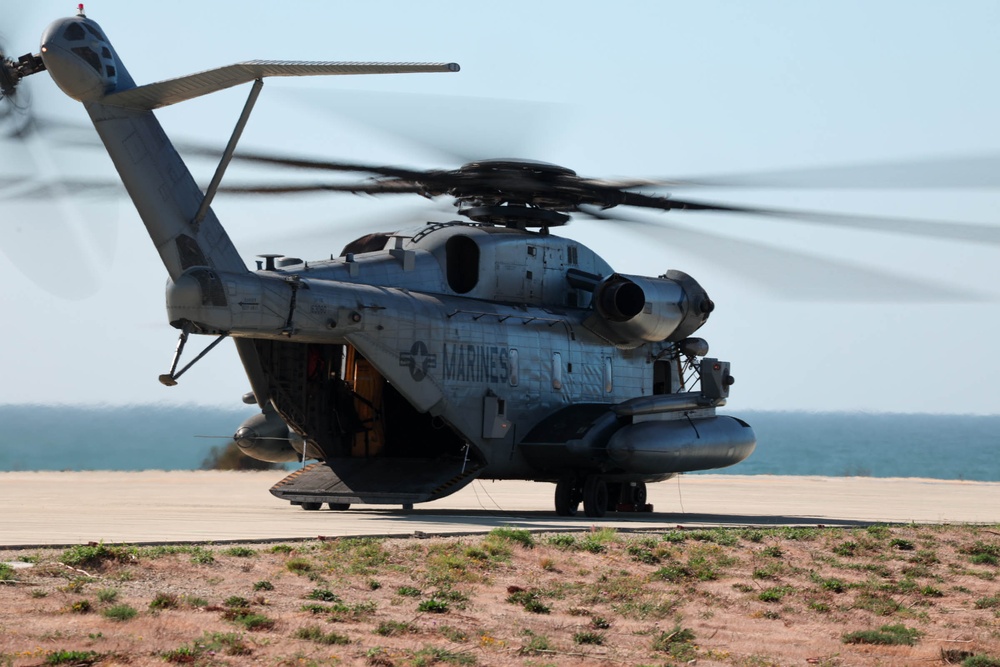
{"x": 422, "y": 359}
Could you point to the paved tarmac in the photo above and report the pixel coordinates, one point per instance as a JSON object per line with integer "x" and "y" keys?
{"x": 65, "y": 508}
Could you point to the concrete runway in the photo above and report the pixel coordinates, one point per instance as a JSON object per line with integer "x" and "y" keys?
{"x": 65, "y": 508}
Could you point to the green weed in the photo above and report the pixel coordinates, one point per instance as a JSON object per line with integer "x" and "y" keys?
{"x": 430, "y": 655}
{"x": 314, "y": 633}
{"x": 774, "y": 594}
{"x": 252, "y": 621}
{"x": 120, "y": 613}
{"x": 889, "y": 635}
{"x": 164, "y": 601}
{"x": 240, "y": 552}
{"x": 433, "y": 606}
{"x": 395, "y": 628}
{"x": 107, "y": 595}
{"x": 72, "y": 658}
{"x": 678, "y": 643}
{"x": 588, "y": 637}
{"x": 299, "y": 565}
{"x": 991, "y": 602}
{"x": 529, "y": 601}
{"x": 323, "y": 594}
{"x": 514, "y": 535}
{"x": 92, "y": 556}
{"x": 535, "y": 644}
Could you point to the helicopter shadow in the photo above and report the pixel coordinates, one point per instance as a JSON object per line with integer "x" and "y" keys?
{"x": 476, "y": 520}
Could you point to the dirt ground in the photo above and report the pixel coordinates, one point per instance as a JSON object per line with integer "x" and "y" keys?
{"x": 906, "y": 595}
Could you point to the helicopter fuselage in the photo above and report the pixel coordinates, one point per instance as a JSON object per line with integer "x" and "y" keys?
{"x": 420, "y": 360}
{"x": 492, "y": 335}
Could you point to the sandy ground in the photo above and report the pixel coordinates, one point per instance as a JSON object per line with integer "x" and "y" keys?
{"x": 61, "y": 508}
{"x": 747, "y": 597}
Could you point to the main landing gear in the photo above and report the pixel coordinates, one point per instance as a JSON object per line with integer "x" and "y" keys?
{"x": 599, "y": 497}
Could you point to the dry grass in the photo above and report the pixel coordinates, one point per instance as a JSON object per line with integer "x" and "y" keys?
{"x": 740, "y": 597}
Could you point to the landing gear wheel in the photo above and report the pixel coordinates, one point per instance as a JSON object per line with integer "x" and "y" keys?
{"x": 639, "y": 494}
{"x": 567, "y": 497}
{"x": 595, "y": 496}
{"x": 311, "y": 507}
{"x": 407, "y": 507}
{"x": 339, "y": 507}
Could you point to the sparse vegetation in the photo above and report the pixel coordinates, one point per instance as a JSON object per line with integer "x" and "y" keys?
{"x": 513, "y": 535}
{"x": 433, "y": 606}
{"x": 314, "y": 633}
{"x": 678, "y": 643}
{"x": 890, "y": 635}
{"x": 72, "y": 658}
{"x": 594, "y": 593}
{"x": 164, "y": 601}
{"x": 120, "y": 612}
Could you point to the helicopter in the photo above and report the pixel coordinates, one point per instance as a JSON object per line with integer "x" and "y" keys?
{"x": 422, "y": 359}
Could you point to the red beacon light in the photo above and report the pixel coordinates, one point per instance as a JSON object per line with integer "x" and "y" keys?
{"x": 79, "y": 11}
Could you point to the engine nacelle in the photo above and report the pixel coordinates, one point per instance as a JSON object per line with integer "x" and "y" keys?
{"x": 266, "y": 437}
{"x": 636, "y": 309}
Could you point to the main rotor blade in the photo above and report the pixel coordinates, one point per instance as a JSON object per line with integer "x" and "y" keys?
{"x": 952, "y": 231}
{"x": 305, "y": 163}
{"x": 373, "y": 187}
{"x": 791, "y": 274}
{"x": 959, "y": 171}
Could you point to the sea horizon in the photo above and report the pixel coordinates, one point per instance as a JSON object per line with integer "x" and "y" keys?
{"x": 831, "y": 444}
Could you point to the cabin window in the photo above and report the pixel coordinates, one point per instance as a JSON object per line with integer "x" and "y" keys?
{"x": 556, "y": 370}
{"x": 662, "y": 380}
{"x": 609, "y": 384}
{"x": 463, "y": 264}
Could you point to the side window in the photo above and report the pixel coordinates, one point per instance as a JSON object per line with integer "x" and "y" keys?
{"x": 463, "y": 264}
{"x": 556, "y": 370}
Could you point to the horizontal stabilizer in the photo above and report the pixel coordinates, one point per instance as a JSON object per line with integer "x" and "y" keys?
{"x": 172, "y": 91}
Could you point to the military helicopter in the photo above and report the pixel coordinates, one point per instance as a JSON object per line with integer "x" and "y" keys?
{"x": 422, "y": 359}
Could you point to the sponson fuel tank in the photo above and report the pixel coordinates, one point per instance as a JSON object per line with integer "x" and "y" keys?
{"x": 681, "y": 445}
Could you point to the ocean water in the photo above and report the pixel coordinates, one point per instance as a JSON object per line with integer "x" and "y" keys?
{"x": 34, "y": 437}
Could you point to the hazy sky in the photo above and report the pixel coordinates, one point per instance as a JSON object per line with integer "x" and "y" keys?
{"x": 658, "y": 89}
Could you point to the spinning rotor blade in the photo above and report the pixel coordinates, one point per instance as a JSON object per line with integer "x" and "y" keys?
{"x": 792, "y": 274}
{"x": 302, "y": 163}
{"x": 952, "y": 231}
{"x": 375, "y": 187}
{"x": 960, "y": 171}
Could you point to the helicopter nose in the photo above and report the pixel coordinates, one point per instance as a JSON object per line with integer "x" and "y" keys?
{"x": 79, "y": 58}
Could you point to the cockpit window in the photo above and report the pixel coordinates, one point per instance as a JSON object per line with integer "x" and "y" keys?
{"x": 94, "y": 31}
{"x": 74, "y": 32}
{"x": 89, "y": 55}
{"x": 463, "y": 263}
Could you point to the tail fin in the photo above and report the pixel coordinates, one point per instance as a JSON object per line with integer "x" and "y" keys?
{"x": 85, "y": 66}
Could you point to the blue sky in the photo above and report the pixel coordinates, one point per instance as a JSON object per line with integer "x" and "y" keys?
{"x": 658, "y": 89}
